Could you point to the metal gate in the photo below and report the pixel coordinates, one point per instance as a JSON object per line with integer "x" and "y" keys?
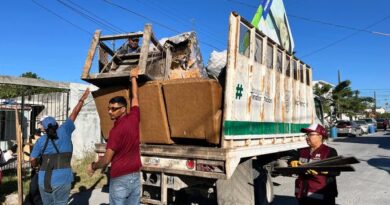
{"x": 23, "y": 103}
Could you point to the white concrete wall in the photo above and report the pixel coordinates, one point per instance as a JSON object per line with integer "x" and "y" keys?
{"x": 87, "y": 123}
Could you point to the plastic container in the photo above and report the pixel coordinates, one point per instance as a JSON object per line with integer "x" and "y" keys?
{"x": 371, "y": 129}
{"x": 333, "y": 132}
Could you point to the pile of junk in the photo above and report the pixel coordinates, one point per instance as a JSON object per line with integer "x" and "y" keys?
{"x": 181, "y": 101}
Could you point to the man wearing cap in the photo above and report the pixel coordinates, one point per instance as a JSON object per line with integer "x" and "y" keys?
{"x": 313, "y": 187}
{"x": 131, "y": 46}
{"x": 52, "y": 153}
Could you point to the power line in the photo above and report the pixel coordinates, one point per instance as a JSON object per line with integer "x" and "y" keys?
{"x": 319, "y": 21}
{"x": 83, "y": 14}
{"x": 153, "y": 21}
{"x": 339, "y": 26}
{"x": 96, "y": 16}
{"x": 169, "y": 14}
{"x": 62, "y": 18}
{"x": 344, "y": 38}
{"x": 332, "y": 24}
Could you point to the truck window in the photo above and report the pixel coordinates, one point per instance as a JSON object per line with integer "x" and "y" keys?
{"x": 301, "y": 72}
{"x": 270, "y": 56}
{"x": 279, "y": 61}
{"x": 259, "y": 49}
{"x": 308, "y": 76}
{"x": 244, "y": 40}
{"x": 287, "y": 66}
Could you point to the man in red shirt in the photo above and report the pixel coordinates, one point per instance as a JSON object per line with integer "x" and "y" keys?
{"x": 123, "y": 150}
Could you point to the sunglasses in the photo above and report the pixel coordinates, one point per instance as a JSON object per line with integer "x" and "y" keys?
{"x": 113, "y": 109}
{"x": 311, "y": 134}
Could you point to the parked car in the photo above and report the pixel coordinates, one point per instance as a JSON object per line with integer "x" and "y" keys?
{"x": 363, "y": 124}
{"x": 382, "y": 123}
{"x": 372, "y": 122}
{"x": 348, "y": 128}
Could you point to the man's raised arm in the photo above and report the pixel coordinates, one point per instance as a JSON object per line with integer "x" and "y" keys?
{"x": 134, "y": 87}
{"x": 79, "y": 105}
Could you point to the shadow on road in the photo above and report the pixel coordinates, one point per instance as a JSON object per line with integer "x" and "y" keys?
{"x": 382, "y": 141}
{"x": 380, "y": 163}
{"x": 283, "y": 200}
{"x": 82, "y": 197}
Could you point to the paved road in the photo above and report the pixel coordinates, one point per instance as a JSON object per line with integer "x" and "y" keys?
{"x": 369, "y": 185}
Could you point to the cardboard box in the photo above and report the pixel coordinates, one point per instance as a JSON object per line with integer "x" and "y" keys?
{"x": 102, "y": 97}
{"x": 154, "y": 122}
{"x": 194, "y": 108}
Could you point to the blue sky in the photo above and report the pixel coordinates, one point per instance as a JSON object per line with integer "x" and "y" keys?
{"x": 33, "y": 39}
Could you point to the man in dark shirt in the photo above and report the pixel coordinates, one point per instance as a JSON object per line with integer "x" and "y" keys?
{"x": 123, "y": 150}
{"x": 131, "y": 46}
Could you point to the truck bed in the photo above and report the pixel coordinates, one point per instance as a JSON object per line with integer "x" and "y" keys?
{"x": 174, "y": 158}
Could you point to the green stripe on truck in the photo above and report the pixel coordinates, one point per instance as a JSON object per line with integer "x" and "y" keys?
{"x": 261, "y": 128}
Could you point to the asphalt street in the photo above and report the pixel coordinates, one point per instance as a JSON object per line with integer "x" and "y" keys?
{"x": 369, "y": 184}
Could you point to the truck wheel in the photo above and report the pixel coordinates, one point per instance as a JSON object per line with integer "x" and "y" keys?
{"x": 264, "y": 190}
{"x": 251, "y": 184}
{"x": 239, "y": 189}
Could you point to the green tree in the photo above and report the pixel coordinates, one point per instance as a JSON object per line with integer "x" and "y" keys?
{"x": 324, "y": 92}
{"x": 12, "y": 91}
{"x": 348, "y": 101}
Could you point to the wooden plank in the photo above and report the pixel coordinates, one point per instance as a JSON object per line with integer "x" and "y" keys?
{"x": 20, "y": 157}
{"x": 339, "y": 160}
{"x": 150, "y": 201}
{"x": 121, "y": 36}
{"x": 32, "y": 82}
{"x": 302, "y": 170}
{"x": 106, "y": 48}
{"x": 145, "y": 48}
{"x": 91, "y": 54}
{"x": 156, "y": 43}
{"x": 164, "y": 189}
{"x": 210, "y": 175}
{"x": 182, "y": 151}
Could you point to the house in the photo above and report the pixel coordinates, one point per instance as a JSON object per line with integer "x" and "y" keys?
{"x": 59, "y": 104}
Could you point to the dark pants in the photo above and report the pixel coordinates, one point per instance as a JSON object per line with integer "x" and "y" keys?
{"x": 34, "y": 196}
{"x": 310, "y": 201}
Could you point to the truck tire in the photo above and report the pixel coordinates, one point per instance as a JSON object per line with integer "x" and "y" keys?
{"x": 239, "y": 189}
{"x": 265, "y": 193}
{"x": 264, "y": 190}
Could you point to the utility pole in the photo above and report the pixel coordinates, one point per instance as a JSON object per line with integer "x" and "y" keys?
{"x": 339, "y": 76}
{"x": 374, "y": 110}
{"x": 338, "y": 100}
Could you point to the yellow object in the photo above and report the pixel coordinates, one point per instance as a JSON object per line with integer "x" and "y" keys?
{"x": 312, "y": 172}
{"x": 295, "y": 163}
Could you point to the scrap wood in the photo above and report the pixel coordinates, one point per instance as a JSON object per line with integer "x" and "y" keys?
{"x": 304, "y": 169}
{"x": 338, "y": 160}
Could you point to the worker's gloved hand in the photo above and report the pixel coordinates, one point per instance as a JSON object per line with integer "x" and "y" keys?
{"x": 295, "y": 163}
{"x": 324, "y": 173}
{"x": 312, "y": 172}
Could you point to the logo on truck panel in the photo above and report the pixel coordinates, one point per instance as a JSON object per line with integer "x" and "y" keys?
{"x": 239, "y": 90}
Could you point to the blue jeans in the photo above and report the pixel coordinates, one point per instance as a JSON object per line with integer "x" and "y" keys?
{"x": 59, "y": 196}
{"x": 125, "y": 190}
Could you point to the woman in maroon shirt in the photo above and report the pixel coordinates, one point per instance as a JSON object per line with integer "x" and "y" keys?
{"x": 313, "y": 187}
